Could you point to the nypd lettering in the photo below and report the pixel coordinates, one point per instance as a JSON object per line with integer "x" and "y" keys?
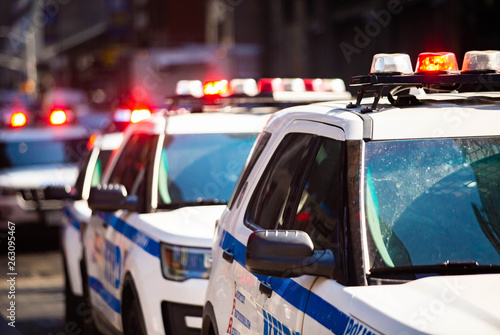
{"x": 112, "y": 264}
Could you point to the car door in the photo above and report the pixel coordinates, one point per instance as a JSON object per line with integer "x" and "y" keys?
{"x": 270, "y": 305}
{"x": 132, "y": 169}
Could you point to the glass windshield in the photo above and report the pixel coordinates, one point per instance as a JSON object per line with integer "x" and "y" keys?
{"x": 433, "y": 201}
{"x": 201, "y": 168}
{"x": 26, "y": 153}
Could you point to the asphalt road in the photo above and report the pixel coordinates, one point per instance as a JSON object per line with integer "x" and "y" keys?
{"x": 35, "y": 284}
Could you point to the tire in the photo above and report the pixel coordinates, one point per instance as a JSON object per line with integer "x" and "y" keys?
{"x": 133, "y": 322}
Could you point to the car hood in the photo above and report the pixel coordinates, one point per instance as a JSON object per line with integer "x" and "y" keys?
{"x": 467, "y": 304}
{"x": 190, "y": 226}
{"x": 38, "y": 176}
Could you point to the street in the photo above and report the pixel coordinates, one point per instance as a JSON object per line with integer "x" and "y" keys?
{"x": 37, "y": 288}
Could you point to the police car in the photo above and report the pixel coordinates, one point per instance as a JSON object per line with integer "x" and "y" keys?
{"x": 76, "y": 213}
{"x": 36, "y": 152}
{"x": 378, "y": 216}
{"x": 147, "y": 246}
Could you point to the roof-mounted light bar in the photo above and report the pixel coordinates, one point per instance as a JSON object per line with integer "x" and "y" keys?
{"x": 433, "y": 70}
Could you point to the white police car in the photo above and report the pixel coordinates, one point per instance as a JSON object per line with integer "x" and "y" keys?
{"x": 76, "y": 212}
{"x": 147, "y": 246}
{"x": 375, "y": 217}
{"x": 34, "y": 156}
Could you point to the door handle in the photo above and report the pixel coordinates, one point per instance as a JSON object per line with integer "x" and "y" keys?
{"x": 228, "y": 255}
{"x": 266, "y": 288}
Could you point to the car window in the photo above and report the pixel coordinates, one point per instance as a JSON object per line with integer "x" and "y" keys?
{"x": 132, "y": 165}
{"x": 40, "y": 152}
{"x": 100, "y": 164}
{"x": 275, "y": 186}
{"x": 319, "y": 208}
{"x": 261, "y": 142}
{"x": 201, "y": 168}
{"x": 422, "y": 196}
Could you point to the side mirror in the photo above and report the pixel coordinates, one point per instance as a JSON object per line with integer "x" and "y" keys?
{"x": 287, "y": 253}
{"x": 60, "y": 193}
{"x": 112, "y": 197}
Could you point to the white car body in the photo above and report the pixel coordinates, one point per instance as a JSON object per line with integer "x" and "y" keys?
{"x": 123, "y": 248}
{"x": 31, "y": 170}
{"x": 313, "y": 304}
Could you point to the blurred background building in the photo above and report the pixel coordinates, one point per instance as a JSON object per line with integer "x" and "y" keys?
{"x": 106, "y": 46}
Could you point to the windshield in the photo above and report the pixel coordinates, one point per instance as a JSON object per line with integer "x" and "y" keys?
{"x": 433, "y": 201}
{"x": 201, "y": 168}
{"x": 27, "y": 153}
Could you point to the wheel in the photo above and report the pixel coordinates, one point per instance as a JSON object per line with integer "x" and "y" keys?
{"x": 133, "y": 322}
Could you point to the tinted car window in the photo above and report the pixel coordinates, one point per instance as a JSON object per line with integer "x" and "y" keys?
{"x": 132, "y": 165}
{"x": 319, "y": 208}
{"x": 276, "y": 185}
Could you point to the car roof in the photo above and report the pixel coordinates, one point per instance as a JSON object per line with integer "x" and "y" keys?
{"x": 199, "y": 123}
{"x": 440, "y": 115}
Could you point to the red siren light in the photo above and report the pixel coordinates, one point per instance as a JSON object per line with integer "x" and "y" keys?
{"x": 436, "y": 62}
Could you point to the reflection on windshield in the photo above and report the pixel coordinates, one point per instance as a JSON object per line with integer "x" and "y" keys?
{"x": 27, "y": 153}
{"x": 432, "y": 201}
{"x": 201, "y": 168}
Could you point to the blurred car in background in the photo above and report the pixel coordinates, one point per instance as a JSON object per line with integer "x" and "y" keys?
{"x": 77, "y": 107}
{"x": 37, "y": 152}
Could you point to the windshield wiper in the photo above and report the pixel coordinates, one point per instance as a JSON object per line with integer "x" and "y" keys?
{"x": 446, "y": 268}
{"x": 204, "y": 202}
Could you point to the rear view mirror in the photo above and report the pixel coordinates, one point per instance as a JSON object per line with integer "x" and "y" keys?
{"x": 287, "y": 253}
{"x": 111, "y": 197}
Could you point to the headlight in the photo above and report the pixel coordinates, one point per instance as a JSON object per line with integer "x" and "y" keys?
{"x": 181, "y": 263}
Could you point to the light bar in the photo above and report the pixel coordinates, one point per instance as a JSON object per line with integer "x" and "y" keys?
{"x": 219, "y": 87}
{"x": 397, "y": 63}
{"x": 336, "y": 85}
{"x": 18, "y": 120}
{"x": 243, "y": 86}
{"x": 122, "y": 115}
{"x": 294, "y": 85}
{"x": 436, "y": 62}
{"x": 314, "y": 85}
{"x": 139, "y": 115}
{"x": 189, "y": 87}
{"x": 267, "y": 85}
{"x": 58, "y": 117}
{"x": 481, "y": 61}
